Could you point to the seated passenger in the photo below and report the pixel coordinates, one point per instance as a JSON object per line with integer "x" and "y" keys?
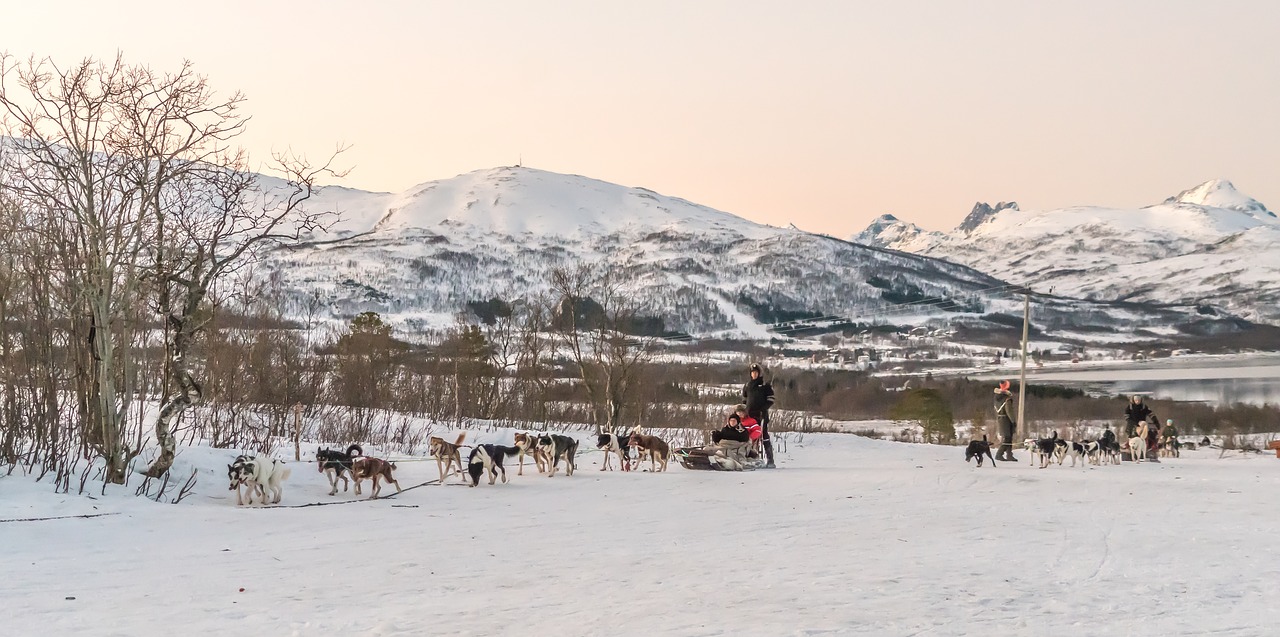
{"x": 733, "y": 431}
{"x": 754, "y": 431}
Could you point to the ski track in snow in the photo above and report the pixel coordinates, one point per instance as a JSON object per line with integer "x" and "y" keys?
{"x": 850, "y": 536}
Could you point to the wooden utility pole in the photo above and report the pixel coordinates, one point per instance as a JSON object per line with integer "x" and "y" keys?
{"x": 1022, "y": 380}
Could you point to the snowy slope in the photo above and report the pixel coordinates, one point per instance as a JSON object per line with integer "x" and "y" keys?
{"x": 850, "y": 536}
{"x": 1208, "y": 245}
{"x": 523, "y": 203}
{"x": 420, "y": 256}
{"x": 499, "y": 232}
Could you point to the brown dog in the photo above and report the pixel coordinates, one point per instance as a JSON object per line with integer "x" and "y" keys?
{"x": 528, "y": 444}
{"x": 658, "y": 449}
{"x": 375, "y": 468}
{"x": 447, "y": 456}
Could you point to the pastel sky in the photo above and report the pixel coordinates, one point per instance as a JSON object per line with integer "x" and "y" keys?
{"x": 821, "y": 114}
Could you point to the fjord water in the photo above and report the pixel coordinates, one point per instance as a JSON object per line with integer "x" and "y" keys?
{"x": 1253, "y": 380}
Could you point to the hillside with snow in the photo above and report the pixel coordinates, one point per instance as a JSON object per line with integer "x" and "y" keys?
{"x": 419, "y": 257}
{"x": 1210, "y": 246}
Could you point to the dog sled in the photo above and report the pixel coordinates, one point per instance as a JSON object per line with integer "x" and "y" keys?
{"x": 726, "y": 456}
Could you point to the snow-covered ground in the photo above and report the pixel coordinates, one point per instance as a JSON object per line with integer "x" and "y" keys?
{"x": 849, "y": 536}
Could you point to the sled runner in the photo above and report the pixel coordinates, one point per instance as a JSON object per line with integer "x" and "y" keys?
{"x": 727, "y": 456}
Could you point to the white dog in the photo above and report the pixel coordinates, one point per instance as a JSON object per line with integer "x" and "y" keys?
{"x": 1138, "y": 443}
{"x": 259, "y": 475}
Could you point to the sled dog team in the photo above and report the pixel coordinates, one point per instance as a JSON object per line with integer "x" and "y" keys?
{"x": 547, "y": 450}
{"x": 1104, "y": 450}
{"x": 256, "y": 476}
{"x": 260, "y": 474}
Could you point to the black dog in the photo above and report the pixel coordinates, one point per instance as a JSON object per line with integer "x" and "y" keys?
{"x": 488, "y": 457}
{"x": 977, "y": 448}
{"x": 336, "y": 465}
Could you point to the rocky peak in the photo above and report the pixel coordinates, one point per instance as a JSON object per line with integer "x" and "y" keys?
{"x": 981, "y": 212}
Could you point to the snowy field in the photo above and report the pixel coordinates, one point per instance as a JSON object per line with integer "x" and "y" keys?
{"x": 850, "y": 536}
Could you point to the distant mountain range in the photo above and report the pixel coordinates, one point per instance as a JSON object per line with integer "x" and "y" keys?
{"x": 1210, "y": 246}
{"x": 421, "y": 256}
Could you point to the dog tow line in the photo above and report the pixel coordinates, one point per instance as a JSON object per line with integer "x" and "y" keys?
{"x": 385, "y": 497}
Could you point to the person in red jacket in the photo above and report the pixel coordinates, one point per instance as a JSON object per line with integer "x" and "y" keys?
{"x": 754, "y": 430}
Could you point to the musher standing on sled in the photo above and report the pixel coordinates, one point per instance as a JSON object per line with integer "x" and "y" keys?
{"x": 1134, "y": 413}
{"x": 759, "y": 398}
{"x": 1004, "y": 418}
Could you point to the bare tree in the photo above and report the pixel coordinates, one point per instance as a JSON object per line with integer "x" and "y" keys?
{"x": 533, "y": 354}
{"x": 596, "y": 314}
{"x": 143, "y": 194}
{"x": 220, "y": 220}
{"x": 71, "y": 161}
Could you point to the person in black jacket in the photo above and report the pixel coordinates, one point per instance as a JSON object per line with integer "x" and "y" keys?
{"x": 758, "y": 396}
{"x": 1135, "y": 413}
{"x": 733, "y": 431}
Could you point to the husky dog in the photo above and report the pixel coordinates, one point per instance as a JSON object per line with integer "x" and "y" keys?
{"x": 1138, "y": 443}
{"x": 238, "y": 475}
{"x": 336, "y": 465}
{"x": 1092, "y": 451}
{"x": 1110, "y": 451}
{"x": 1046, "y": 448}
{"x": 556, "y": 446}
{"x": 528, "y": 444}
{"x": 658, "y": 449}
{"x": 447, "y": 455}
{"x": 1066, "y": 448}
{"x": 375, "y": 468}
{"x": 488, "y": 458}
{"x": 259, "y": 475}
{"x": 977, "y": 449}
{"x": 612, "y": 444}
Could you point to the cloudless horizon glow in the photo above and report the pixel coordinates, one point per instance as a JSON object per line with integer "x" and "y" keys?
{"x": 825, "y": 114}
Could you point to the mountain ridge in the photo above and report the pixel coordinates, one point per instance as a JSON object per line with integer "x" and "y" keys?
{"x": 423, "y": 256}
{"x": 1201, "y": 246}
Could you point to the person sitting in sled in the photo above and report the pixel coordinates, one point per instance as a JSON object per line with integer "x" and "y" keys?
{"x": 732, "y": 431}
{"x": 755, "y": 432}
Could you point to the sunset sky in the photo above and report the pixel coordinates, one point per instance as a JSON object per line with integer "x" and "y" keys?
{"x": 821, "y": 114}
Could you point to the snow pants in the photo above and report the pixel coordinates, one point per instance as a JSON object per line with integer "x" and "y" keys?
{"x": 762, "y": 416}
{"x": 1006, "y": 439}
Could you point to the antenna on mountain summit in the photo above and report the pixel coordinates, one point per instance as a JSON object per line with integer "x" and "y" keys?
{"x": 519, "y": 161}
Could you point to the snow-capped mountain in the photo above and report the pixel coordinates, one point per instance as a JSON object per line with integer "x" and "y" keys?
{"x": 1209, "y": 245}
{"x": 419, "y": 257}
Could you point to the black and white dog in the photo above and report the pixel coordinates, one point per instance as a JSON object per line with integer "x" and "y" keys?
{"x": 555, "y": 446}
{"x": 258, "y": 475}
{"x": 978, "y": 448}
{"x": 336, "y": 465}
{"x": 614, "y": 444}
{"x": 1092, "y": 451}
{"x": 1044, "y": 448}
{"x": 488, "y": 458}
{"x": 1070, "y": 448}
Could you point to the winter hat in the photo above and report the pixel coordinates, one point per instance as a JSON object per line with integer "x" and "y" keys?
{"x": 755, "y": 367}
{"x": 1004, "y": 384}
